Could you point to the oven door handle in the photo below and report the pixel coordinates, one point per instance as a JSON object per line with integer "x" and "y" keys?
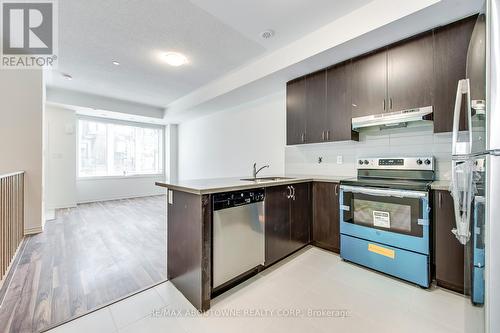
{"x": 384, "y": 192}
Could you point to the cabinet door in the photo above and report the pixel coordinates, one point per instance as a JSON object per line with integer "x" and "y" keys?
{"x": 326, "y": 224}
{"x": 449, "y": 253}
{"x": 450, "y": 59}
{"x": 369, "y": 83}
{"x": 300, "y": 216}
{"x": 316, "y": 107}
{"x": 296, "y": 111}
{"x": 338, "y": 103}
{"x": 410, "y": 73}
{"x": 277, "y": 212}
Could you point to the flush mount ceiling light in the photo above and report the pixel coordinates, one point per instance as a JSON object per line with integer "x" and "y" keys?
{"x": 175, "y": 59}
{"x": 116, "y": 63}
{"x": 267, "y": 34}
{"x": 67, "y": 77}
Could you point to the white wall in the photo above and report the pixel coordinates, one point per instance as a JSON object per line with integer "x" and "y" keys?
{"x": 22, "y": 94}
{"x": 60, "y": 171}
{"x": 171, "y": 152}
{"x": 227, "y": 143}
{"x": 412, "y": 141}
{"x": 100, "y": 189}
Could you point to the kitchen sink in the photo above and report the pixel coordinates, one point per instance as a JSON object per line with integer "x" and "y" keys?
{"x": 265, "y": 179}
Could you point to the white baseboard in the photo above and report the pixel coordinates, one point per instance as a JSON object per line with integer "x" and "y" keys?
{"x": 110, "y": 198}
{"x": 50, "y": 214}
{"x": 62, "y": 206}
{"x": 33, "y": 231}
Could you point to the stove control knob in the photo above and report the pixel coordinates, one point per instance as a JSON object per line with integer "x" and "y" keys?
{"x": 360, "y": 162}
{"x": 366, "y": 162}
{"x": 419, "y": 161}
{"x": 427, "y": 161}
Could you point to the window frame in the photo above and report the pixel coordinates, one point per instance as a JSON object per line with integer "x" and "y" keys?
{"x": 107, "y": 121}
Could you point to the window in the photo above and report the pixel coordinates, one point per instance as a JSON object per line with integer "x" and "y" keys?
{"x": 117, "y": 149}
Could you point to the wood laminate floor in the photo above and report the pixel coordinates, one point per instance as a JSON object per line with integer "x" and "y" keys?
{"x": 87, "y": 257}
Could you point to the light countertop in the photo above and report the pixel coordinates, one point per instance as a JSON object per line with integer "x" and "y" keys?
{"x": 443, "y": 185}
{"x": 219, "y": 185}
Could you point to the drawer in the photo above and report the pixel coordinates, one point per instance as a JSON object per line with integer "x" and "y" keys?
{"x": 406, "y": 265}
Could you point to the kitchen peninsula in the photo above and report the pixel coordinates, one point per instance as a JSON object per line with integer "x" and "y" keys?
{"x": 189, "y": 228}
{"x": 309, "y": 217}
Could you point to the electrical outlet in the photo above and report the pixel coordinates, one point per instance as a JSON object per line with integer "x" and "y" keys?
{"x": 340, "y": 160}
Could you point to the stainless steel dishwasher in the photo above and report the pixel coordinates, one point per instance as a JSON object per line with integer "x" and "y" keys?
{"x": 238, "y": 234}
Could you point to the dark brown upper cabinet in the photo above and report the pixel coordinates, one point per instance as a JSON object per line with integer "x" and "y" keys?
{"x": 319, "y": 107}
{"x": 393, "y": 79}
{"x": 409, "y": 74}
{"x": 295, "y": 111}
{"x": 418, "y": 72}
{"x": 316, "y": 107}
{"x": 369, "y": 84}
{"x": 450, "y": 59}
{"x": 338, "y": 103}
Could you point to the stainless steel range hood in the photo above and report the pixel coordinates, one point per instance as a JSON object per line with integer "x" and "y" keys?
{"x": 392, "y": 119}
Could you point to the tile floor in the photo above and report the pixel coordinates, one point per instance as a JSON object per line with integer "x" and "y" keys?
{"x": 344, "y": 298}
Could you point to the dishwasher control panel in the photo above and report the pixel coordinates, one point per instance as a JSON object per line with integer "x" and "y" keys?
{"x": 239, "y": 198}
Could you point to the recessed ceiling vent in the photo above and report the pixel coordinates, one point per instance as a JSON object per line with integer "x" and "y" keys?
{"x": 267, "y": 34}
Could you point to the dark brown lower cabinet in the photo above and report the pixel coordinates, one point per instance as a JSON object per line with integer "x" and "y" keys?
{"x": 288, "y": 218}
{"x": 326, "y": 224}
{"x": 277, "y": 212}
{"x": 300, "y": 216}
{"x": 449, "y": 253}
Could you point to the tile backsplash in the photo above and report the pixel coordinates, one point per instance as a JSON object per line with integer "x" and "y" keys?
{"x": 418, "y": 140}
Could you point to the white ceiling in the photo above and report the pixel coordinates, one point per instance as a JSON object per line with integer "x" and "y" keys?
{"x": 229, "y": 63}
{"x": 289, "y": 19}
{"x": 217, "y": 36}
{"x": 92, "y": 33}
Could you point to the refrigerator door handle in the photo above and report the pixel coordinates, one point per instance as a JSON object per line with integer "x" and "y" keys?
{"x": 462, "y": 192}
{"x": 462, "y": 148}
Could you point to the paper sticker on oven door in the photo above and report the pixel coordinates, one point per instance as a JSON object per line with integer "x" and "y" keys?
{"x": 381, "y": 219}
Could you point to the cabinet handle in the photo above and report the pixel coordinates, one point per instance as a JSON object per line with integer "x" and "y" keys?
{"x": 390, "y": 103}
{"x": 289, "y": 192}
{"x": 323, "y": 135}
{"x": 336, "y": 189}
{"x": 383, "y": 104}
{"x": 293, "y": 192}
{"x": 303, "y": 137}
{"x": 440, "y": 198}
{"x": 328, "y": 135}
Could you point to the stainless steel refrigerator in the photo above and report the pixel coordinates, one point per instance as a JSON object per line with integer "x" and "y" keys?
{"x": 475, "y": 185}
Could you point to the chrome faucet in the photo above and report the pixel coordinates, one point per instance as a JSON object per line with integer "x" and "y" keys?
{"x": 255, "y": 171}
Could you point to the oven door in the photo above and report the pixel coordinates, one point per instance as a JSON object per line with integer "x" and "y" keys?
{"x": 398, "y": 218}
